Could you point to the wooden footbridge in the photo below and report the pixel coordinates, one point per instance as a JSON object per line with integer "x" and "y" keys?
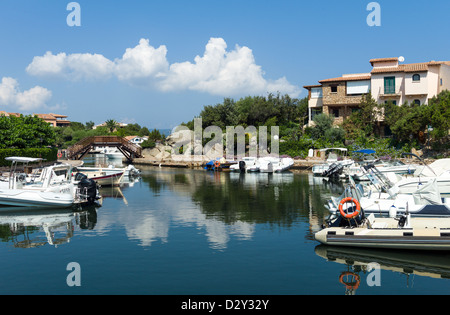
{"x": 82, "y": 148}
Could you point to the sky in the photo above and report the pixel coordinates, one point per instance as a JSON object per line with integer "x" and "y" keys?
{"x": 158, "y": 63}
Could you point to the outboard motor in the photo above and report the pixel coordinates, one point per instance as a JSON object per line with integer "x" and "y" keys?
{"x": 88, "y": 187}
{"x": 242, "y": 166}
{"x": 80, "y": 176}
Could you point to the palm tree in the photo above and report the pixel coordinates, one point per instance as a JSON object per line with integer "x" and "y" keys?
{"x": 111, "y": 124}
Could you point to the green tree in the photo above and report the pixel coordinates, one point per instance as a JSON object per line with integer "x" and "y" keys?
{"x": 438, "y": 112}
{"x": 111, "y": 124}
{"x": 25, "y": 132}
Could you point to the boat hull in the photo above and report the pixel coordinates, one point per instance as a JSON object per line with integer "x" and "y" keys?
{"x": 419, "y": 234}
{"x": 24, "y": 198}
{"x": 395, "y": 239}
{"x": 106, "y": 179}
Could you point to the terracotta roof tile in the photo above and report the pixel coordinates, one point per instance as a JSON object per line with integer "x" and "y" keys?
{"x": 412, "y": 67}
{"x": 372, "y": 61}
{"x": 349, "y": 78}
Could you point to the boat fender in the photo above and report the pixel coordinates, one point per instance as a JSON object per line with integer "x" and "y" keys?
{"x": 393, "y": 211}
{"x": 354, "y": 213}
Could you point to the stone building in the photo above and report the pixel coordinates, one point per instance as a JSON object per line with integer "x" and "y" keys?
{"x": 388, "y": 81}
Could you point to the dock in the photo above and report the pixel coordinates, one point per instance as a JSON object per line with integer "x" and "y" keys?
{"x": 190, "y": 163}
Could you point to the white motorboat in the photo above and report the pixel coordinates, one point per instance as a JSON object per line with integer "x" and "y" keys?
{"x": 395, "y": 167}
{"x": 335, "y": 163}
{"x": 103, "y": 178}
{"x": 426, "y": 201}
{"x": 388, "y": 220}
{"x": 284, "y": 165}
{"x": 130, "y": 170}
{"x": 404, "y": 232}
{"x": 439, "y": 170}
{"x": 264, "y": 164}
{"x": 274, "y": 164}
{"x": 51, "y": 187}
{"x": 111, "y": 153}
{"x": 247, "y": 164}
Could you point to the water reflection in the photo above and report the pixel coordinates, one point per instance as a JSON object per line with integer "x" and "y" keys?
{"x": 35, "y": 228}
{"x": 409, "y": 263}
{"x": 232, "y": 204}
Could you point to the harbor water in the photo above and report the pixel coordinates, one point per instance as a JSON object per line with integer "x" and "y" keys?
{"x": 195, "y": 232}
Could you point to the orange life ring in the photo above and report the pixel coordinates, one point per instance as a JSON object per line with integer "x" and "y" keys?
{"x": 350, "y": 285}
{"x": 60, "y": 154}
{"x": 217, "y": 164}
{"x": 349, "y": 215}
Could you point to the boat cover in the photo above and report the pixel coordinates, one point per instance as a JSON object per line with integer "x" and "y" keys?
{"x": 428, "y": 194}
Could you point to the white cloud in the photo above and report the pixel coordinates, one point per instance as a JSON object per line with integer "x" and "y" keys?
{"x": 72, "y": 67}
{"x": 31, "y": 99}
{"x": 142, "y": 61}
{"x": 218, "y": 71}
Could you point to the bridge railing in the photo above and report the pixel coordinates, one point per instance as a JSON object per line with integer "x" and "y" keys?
{"x": 115, "y": 141}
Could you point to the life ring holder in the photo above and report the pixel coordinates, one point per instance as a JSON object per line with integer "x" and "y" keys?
{"x": 216, "y": 164}
{"x": 354, "y": 213}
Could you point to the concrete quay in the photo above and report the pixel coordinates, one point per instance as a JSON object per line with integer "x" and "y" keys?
{"x": 191, "y": 163}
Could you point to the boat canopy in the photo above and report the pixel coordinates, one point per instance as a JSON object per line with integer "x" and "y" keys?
{"x": 341, "y": 149}
{"x": 366, "y": 151}
{"x": 23, "y": 159}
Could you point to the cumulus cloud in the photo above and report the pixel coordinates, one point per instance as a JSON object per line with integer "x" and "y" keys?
{"x": 72, "y": 67}
{"x": 10, "y": 95}
{"x": 218, "y": 72}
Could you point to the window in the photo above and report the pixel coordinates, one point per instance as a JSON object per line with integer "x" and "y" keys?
{"x": 394, "y": 102}
{"x": 358, "y": 87}
{"x": 335, "y": 112}
{"x": 316, "y": 92}
{"x": 416, "y": 78}
{"x": 417, "y": 102}
{"x": 334, "y": 89}
{"x": 441, "y": 81}
{"x": 389, "y": 85}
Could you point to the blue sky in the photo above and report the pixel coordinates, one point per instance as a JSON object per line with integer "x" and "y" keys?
{"x": 157, "y": 63}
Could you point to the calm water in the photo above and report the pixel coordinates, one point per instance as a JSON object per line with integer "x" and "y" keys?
{"x": 192, "y": 232}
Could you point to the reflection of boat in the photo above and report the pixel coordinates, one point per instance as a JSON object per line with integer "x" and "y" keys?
{"x": 334, "y": 164}
{"x": 57, "y": 225}
{"x": 429, "y": 264}
{"x": 51, "y": 186}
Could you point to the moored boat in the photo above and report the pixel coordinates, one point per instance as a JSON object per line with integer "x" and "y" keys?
{"x": 50, "y": 187}
{"x": 404, "y": 232}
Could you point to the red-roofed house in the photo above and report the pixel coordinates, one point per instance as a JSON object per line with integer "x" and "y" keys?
{"x": 388, "y": 81}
